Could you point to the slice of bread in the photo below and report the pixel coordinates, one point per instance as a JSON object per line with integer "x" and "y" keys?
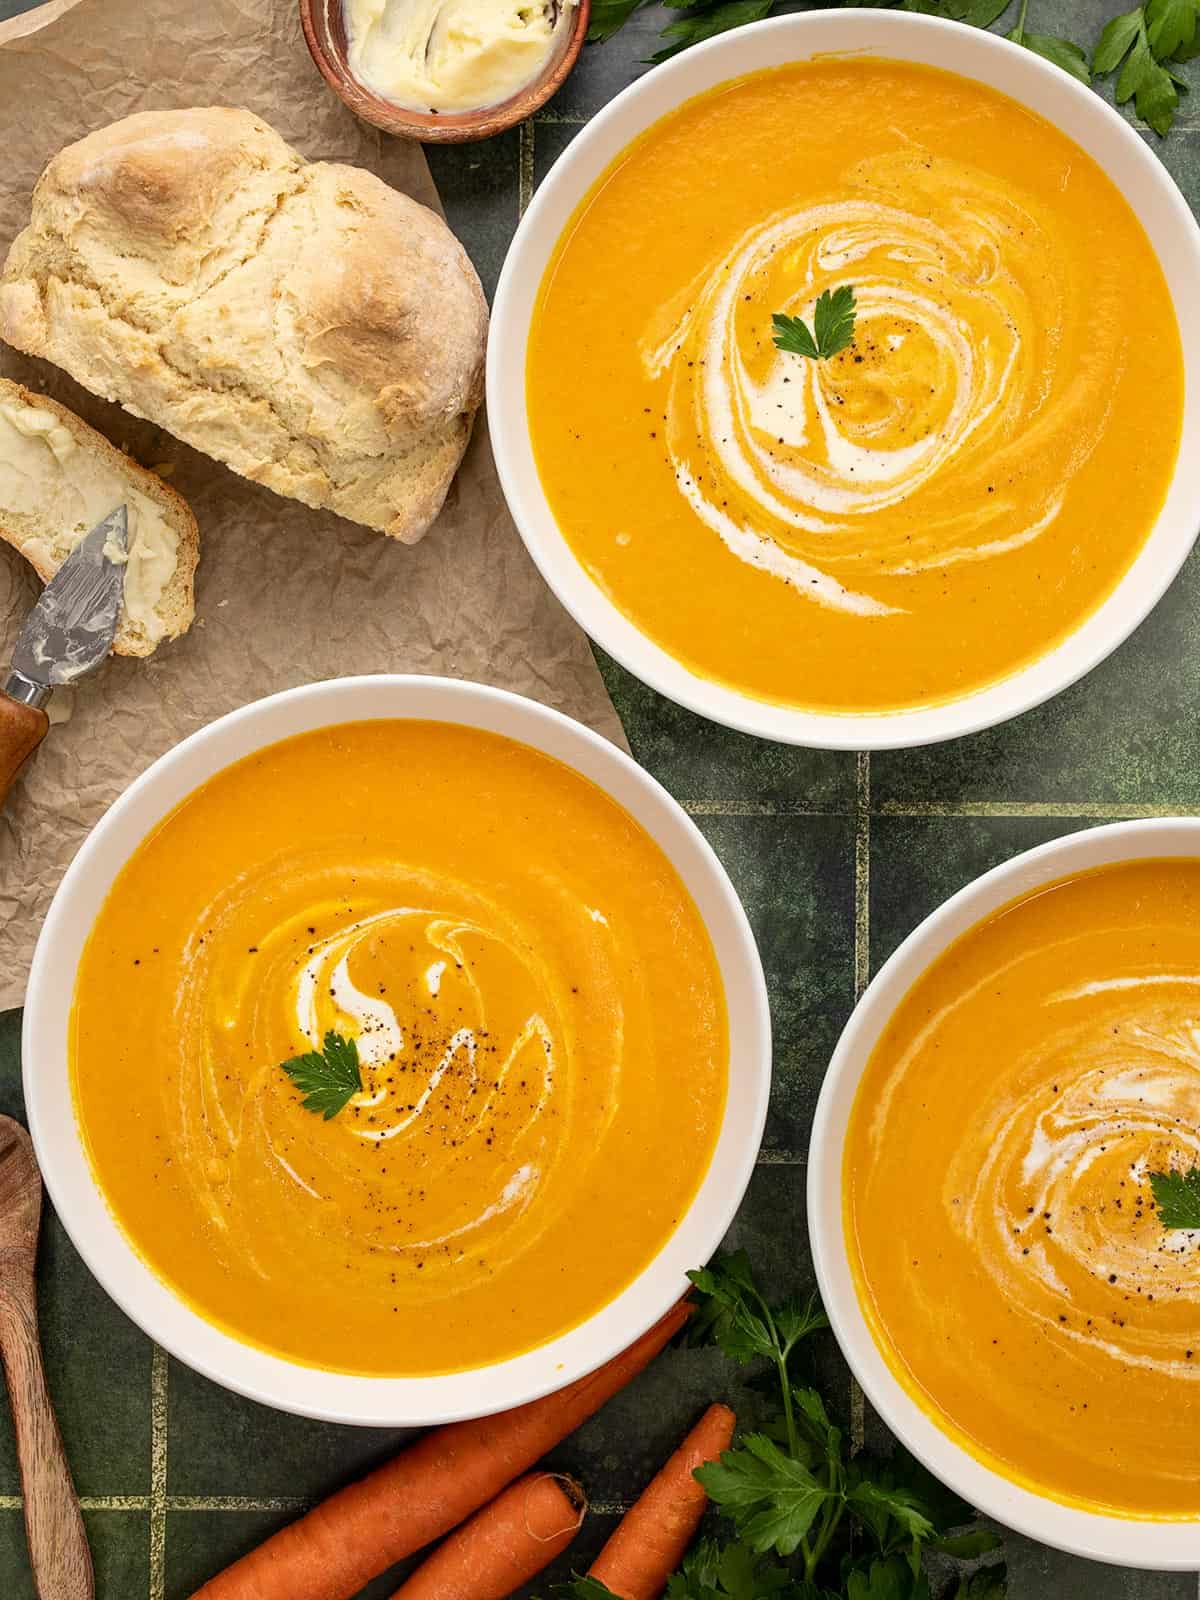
{"x": 59, "y": 477}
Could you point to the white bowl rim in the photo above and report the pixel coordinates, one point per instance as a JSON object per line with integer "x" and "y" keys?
{"x": 797, "y": 36}
{"x": 345, "y": 1397}
{"x": 1152, "y": 1544}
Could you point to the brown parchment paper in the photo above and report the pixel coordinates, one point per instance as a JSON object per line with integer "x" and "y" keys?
{"x": 284, "y": 595}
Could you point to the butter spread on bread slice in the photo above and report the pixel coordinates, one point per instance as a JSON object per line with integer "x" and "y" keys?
{"x": 312, "y": 328}
{"x": 59, "y": 478}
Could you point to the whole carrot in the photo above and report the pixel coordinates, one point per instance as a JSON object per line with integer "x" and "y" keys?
{"x": 654, "y": 1533}
{"x": 332, "y": 1551}
{"x": 504, "y": 1545}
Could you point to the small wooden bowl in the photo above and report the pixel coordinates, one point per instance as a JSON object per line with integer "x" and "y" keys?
{"x": 324, "y": 25}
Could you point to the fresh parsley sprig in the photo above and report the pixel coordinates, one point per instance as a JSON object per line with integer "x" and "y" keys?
{"x": 832, "y": 330}
{"x": 327, "y": 1078}
{"x": 792, "y": 1490}
{"x": 809, "y": 1522}
{"x": 1177, "y": 1196}
{"x": 1143, "y": 43}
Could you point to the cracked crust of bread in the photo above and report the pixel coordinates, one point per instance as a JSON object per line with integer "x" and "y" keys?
{"x": 305, "y": 324}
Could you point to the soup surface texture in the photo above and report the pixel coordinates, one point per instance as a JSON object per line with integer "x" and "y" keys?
{"x": 919, "y": 515}
{"x": 539, "y": 1018}
{"x": 1008, "y": 1252}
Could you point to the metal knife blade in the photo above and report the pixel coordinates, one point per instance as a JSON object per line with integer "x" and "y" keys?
{"x": 70, "y": 631}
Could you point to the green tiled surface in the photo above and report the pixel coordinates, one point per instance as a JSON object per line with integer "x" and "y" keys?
{"x": 120, "y": 1542}
{"x": 836, "y": 857}
{"x": 795, "y": 876}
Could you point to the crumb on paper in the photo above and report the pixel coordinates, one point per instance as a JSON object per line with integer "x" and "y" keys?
{"x": 61, "y": 707}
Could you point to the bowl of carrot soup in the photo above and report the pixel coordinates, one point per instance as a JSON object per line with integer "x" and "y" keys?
{"x": 1002, "y": 1193}
{"x": 394, "y": 1047}
{"x": 829, "y": 385}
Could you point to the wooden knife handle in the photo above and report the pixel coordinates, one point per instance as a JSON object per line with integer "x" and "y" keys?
{"x": 22, "y": 729}
{"x": 58, "y": 1547}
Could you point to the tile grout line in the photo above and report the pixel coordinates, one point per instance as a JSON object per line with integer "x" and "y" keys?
{"x": 231, "y": 1502}
{"x": 177, "y": 1502}
{"x": 862, "y": 975}
{"x": 1101, "y": 810}
{"x": 158, "y": 1473}
{"x": 862, "y": 872}
{"x": 237, "y": 1502}
{"x": 525, "y": 168}
{"x": 755, "y": 808}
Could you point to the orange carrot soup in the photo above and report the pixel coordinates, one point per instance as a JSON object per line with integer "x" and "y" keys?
{"x": 398, "y": 1048}
{"x": 905, "y": 518}
{"x": 1009, "y": 1254}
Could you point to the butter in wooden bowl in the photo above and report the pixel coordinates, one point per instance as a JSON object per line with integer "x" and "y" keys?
{"x": 445, "y": 71}
{"x": 452, "y": 55}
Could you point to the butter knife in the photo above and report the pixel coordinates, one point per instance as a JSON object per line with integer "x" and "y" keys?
{"x": 66, "y": 636}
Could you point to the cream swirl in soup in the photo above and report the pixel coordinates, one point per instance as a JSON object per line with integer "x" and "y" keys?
{"x": 1000, "y": 1214}
{"x": 897, "y": 456}
{"x": 465, "y": 1030}
{"x": 1065, "y": 1186}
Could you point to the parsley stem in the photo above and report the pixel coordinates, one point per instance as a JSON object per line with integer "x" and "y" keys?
{"x": 1018, "y": 33}
{"x": 785, "y": 1383}
{"x": 811, "y": 1554}
{"x": 831, "y": 1515}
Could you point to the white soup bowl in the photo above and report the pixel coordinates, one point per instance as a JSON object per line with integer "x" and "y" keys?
{"x": 79, "y": 1201}
{"x": 1125, "y": 1541}
{"x": 972, "y": 53}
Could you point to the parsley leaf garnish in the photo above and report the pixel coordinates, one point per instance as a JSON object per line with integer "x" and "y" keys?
{"x": 327, "y": 1078}
{"x": 833, "y": 319}
{"x": 1140, "y": 42}
{"x": 772, "y": 1498}
{"x": 733, "y": 1314}
{"x": 792, "y": 335}
{"x": 608, "y": 16}
{"x": 1177, "y": 1196}
{"x": 881, "y": 1505}
{"x": 1062, "y": 52}
{"x": 706, "y": 23}
{"x": 833, "y": 326}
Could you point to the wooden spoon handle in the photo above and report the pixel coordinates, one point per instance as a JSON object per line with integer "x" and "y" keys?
{"x": 58, "y": 1547}
{"x": 22, "y": 729}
